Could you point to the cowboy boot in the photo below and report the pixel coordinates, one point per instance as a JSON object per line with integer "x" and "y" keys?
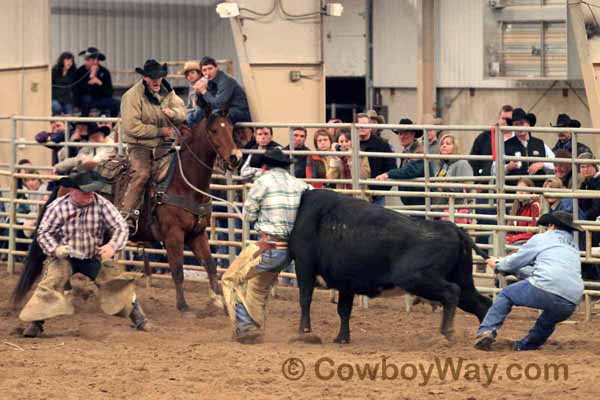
{"x": 34, "y": 329}
{"x": 137, "y": 316}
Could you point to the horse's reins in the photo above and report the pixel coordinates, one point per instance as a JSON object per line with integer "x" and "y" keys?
{"x": 187, "y": 182}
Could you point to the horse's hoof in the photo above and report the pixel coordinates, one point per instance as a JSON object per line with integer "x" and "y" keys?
{"x": 341, "y": 340}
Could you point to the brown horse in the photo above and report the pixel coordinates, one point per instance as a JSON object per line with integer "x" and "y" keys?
{"x": 175, "y": 225}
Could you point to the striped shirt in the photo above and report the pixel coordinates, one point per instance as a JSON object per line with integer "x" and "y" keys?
{"x": 273, "y": 202}
{"x": 81, "y": 228}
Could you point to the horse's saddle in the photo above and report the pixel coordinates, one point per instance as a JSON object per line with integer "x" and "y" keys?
{"x": 116, "y": 172}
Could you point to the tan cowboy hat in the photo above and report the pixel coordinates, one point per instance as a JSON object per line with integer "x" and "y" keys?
{"x": 190, "y": 66}
{"x": 429, "y": 119}
{"x": 372, "y": 114}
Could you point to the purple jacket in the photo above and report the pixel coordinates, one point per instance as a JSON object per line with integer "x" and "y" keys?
{"x": 43, "y": 137}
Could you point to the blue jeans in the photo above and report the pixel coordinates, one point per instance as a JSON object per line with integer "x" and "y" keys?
{"x": 60, "y": 108}
{"x": 235, "y": 115}
{"x": 555, "y": 309}
{"x": 106, "y": 104}
{"x": 270, "y": 261}
{"x": 379, "y": 201}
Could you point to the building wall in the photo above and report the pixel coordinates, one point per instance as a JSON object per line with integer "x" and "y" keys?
{"x": 24, "y": 73}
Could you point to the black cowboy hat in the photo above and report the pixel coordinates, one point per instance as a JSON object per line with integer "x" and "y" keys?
{"x": 518, "y": 114}
{"x": 561, "y": 219}
{"x": 406, "y": 121}
{"x": 87, "y": 181}
{"x": 153, "y": 69}
{"x": 563, "y": 121}
{"x": 273, "y": 157}
{"x": 531, "y": 118}
{"x": 92, "y": 52}
{"x": 94, "y": 128}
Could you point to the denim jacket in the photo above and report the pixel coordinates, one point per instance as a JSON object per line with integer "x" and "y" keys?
{"x": 550, "y": 261}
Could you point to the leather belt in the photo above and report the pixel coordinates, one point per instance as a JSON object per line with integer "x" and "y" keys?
{"x": 274, "y": 242}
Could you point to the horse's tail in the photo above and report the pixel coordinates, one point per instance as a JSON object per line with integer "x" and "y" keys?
{"x": 34, "y": 260}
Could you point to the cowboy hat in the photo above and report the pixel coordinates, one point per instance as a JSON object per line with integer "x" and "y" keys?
{"x": 273, "y": 157}
{"x": 87, "y": 181}
{"x": 94, "y": 128}
{"x": 406, "y": 121}
{"x": 372, "y": 114}
{"x": 563, "y": 121}
{"x": 562, "y": 220}
{"x": 153, "y": 69}
{"x": 190, "y": 66}
{"x": 518, "y": 114}
{"x": 92, "y": 52}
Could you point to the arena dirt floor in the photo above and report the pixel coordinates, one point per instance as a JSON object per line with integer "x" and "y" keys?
{"x": 393, "y": 355}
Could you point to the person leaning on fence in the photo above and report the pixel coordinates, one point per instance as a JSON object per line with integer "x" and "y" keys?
{"x": 525, "y": 145}
{"x": 273, "y": 202}
{"x": 299, "y": 144}
{"x": 220, "y": 91}
{"x": 71, "y": 234}
{"x": 590, "y": 180}
{"x": 263, "y": 139}
{"x": 150, "y": 111}
{"x": 562, "y": 167}
{"x": 450, "y": 168}
{"x": 378, "y": 165}
{"x": 409, "y": 168}
{"x": 88, "y": 157}
{"x": 529, "y": 208}
{"x": 344, "y": 140}
{"x": 550, "y": 265}
{"x": 191, "y": 71}
{"x": 323, "y": 167}
{"x": 482, "y": 145}
{"x": 565, "y": 138}
{"x": 558, "y": 203}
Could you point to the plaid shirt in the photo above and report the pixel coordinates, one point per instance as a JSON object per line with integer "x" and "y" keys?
{"x": 82, "y": 228}
{"x": 273, "y": 202}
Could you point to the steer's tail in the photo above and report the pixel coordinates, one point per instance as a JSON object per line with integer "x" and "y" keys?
{"x": 470, "y": 300}
{"x": 471, "y": 245}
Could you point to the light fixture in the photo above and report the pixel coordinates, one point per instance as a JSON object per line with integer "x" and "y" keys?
{"x": 334, "y": 9}
{"x": 228, "y": 10}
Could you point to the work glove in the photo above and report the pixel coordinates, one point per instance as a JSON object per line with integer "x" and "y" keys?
{"x": 63, "y": 251}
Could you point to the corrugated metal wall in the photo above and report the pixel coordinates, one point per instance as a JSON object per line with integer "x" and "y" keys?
{"x": 458, "y": 37}
{"x": 459, "y": 49}
{"x": 130, "y": 31}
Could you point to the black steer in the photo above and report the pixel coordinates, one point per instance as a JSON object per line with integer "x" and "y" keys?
{"x": 363, "y": 249}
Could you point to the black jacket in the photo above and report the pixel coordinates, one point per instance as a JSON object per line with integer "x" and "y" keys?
{"x": 62, "y": 85}
{"x": 482, "y": 146}
{"x": 535, "y": 148}
{"x": 581, "y": 148}
{"x": 96, "y": 91}
{"x": 378, "y": 165}
{"x": 591, "y": 207}
{"x": 224, "y": 90}
{"x": 300, "y": 165}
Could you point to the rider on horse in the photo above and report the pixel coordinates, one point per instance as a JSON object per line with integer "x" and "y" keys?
{"x": 150, "y": 111}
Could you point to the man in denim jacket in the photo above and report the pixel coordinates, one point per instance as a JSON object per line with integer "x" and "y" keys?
{"x": 550, "y": 266}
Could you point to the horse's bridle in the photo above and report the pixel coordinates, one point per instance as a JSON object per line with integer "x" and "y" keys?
{"x": 196, "y": 158}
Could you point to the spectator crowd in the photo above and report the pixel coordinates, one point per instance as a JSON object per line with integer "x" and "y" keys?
{"x": 88, "y": 90}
